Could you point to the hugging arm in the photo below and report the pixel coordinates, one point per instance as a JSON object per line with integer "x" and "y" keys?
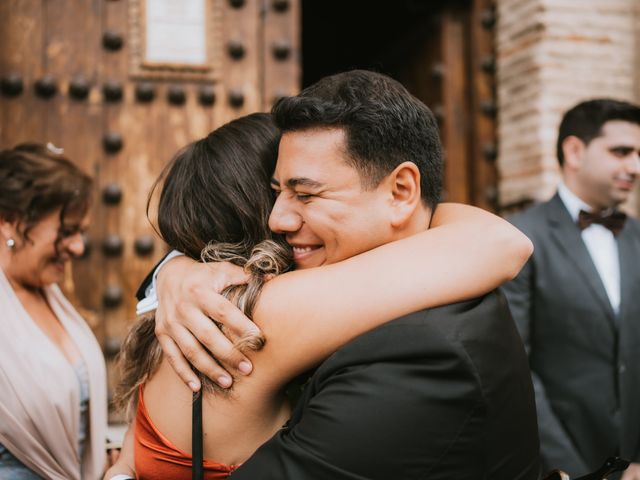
{"x": 466, "y": 253}
{"x": 308, "y": 314}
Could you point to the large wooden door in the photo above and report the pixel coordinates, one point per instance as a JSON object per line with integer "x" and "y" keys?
{"x": 121, "y": 85}
{"x": 442, "y": 51}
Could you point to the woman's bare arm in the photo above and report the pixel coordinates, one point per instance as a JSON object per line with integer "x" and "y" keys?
{"x": 479, "y": 252}
{"x": 125, "y": 464}
{"x": 306, "y": 315}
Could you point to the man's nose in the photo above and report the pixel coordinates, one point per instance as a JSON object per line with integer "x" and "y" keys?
{"x": 75, "y": 245}
{"x": 284, "y": 218}
{"x": 633, "y": 163}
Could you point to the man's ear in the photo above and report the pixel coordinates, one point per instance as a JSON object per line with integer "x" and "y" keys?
{"x": 573, "y": 149}
{"x": 404, "y": 186}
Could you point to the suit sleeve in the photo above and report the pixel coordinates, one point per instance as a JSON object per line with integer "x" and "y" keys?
{"x": 141, "y": 293}
{"x": 369, "y": 421}
{"x": 147, "y": 287}
{"x": 556, "y": 448}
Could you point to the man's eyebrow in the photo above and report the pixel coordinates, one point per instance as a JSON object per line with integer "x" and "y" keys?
{"x": 622, "y": 147}
{"x": 296, "y": 182}
{"x": 303, "y": 182}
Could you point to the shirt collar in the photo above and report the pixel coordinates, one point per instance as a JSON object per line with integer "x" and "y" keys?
{"x": 572, "y": 202}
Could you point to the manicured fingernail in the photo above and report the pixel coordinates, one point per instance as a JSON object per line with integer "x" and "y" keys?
{"x": 245, "y": 367}
{"x": 224, "y": 381}
{"x": 194, "y": 386}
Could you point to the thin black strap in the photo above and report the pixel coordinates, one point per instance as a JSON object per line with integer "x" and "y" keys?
{"x": 197, "y": 470}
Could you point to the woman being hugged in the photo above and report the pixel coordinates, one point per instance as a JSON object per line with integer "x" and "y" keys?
{"x": 53, "y": 410}
{"x": 215, "y": 204}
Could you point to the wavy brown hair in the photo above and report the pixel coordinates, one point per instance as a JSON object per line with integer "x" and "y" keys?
{"x": 214, "y": 206}
{"x": 35, "y": 180}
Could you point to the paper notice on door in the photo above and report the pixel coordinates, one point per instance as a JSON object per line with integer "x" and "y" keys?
{"x": 175, "y": 32}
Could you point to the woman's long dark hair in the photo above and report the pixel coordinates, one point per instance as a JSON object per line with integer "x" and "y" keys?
{"x": 214, "y": 206}
{"x": 217, "y": 188}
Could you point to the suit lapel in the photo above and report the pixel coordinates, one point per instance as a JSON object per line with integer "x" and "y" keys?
{"x": 629, "y": 274}
{"x": 567, "y": 235}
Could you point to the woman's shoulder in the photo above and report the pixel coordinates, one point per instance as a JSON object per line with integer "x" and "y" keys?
{"x": 156, "y": 456}
{"x": 167, "y": 404}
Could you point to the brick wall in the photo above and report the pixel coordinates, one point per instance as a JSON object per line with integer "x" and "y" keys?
{"x": 551, "y": 54}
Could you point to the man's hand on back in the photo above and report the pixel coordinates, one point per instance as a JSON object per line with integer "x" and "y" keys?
{"x": 188, "y": 298}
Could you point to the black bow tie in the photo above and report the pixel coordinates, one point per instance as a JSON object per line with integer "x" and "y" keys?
{"x": 613, "y": 220}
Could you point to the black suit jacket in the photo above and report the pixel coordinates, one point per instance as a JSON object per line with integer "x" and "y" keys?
{"x": 585, "y": 359}
{"x": 440, "y": 394}
{"x": 142, "y": 289}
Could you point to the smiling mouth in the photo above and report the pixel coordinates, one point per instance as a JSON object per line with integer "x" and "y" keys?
{"x": 304, "y": 250}
{"x": 625, "y": 183}
{"x": 301, "y": 253}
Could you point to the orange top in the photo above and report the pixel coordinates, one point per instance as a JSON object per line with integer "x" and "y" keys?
{"x": 157, "y": 458}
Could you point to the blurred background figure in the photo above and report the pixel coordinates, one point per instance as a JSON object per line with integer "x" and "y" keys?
{"x": 576, "y": 302}
{"x": 53, "y": 402}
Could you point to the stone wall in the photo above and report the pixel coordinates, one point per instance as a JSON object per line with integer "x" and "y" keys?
{"x": 552, "y": 54}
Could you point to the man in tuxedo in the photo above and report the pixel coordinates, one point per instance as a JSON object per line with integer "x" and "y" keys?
{"x": 576, "y": 302}
{"x": 440, "y": 394}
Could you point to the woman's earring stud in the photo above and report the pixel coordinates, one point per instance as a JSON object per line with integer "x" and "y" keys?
{"x": 11, "y": 243}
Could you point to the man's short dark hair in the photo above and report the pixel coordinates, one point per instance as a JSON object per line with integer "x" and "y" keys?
{"x": 586, "y": 119}
{"x": 384, "y": 125}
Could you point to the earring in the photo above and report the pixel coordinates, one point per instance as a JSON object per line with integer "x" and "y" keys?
{"x": 11, "y": 243}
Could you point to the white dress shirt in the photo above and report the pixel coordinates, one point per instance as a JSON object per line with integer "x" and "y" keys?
{"x": 601, "y": 244}
{"x": 150, "y": 300}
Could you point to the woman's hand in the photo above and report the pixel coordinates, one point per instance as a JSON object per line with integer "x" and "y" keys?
{"x": 188, "y": 299}
{"x": 124, "y": 462}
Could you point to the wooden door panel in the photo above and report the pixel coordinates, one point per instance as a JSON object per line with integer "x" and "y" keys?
{"x": 65, "y": 39}
{"x": 445, "y": 58}
{"x": 455, "y": 102}
{"x": 280, "y": 53}
{"x": 72, "y": 56}
{"x": 22, "y": 118}
{"x": 241, "y": 32}
{"x": 483, "y": 127}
